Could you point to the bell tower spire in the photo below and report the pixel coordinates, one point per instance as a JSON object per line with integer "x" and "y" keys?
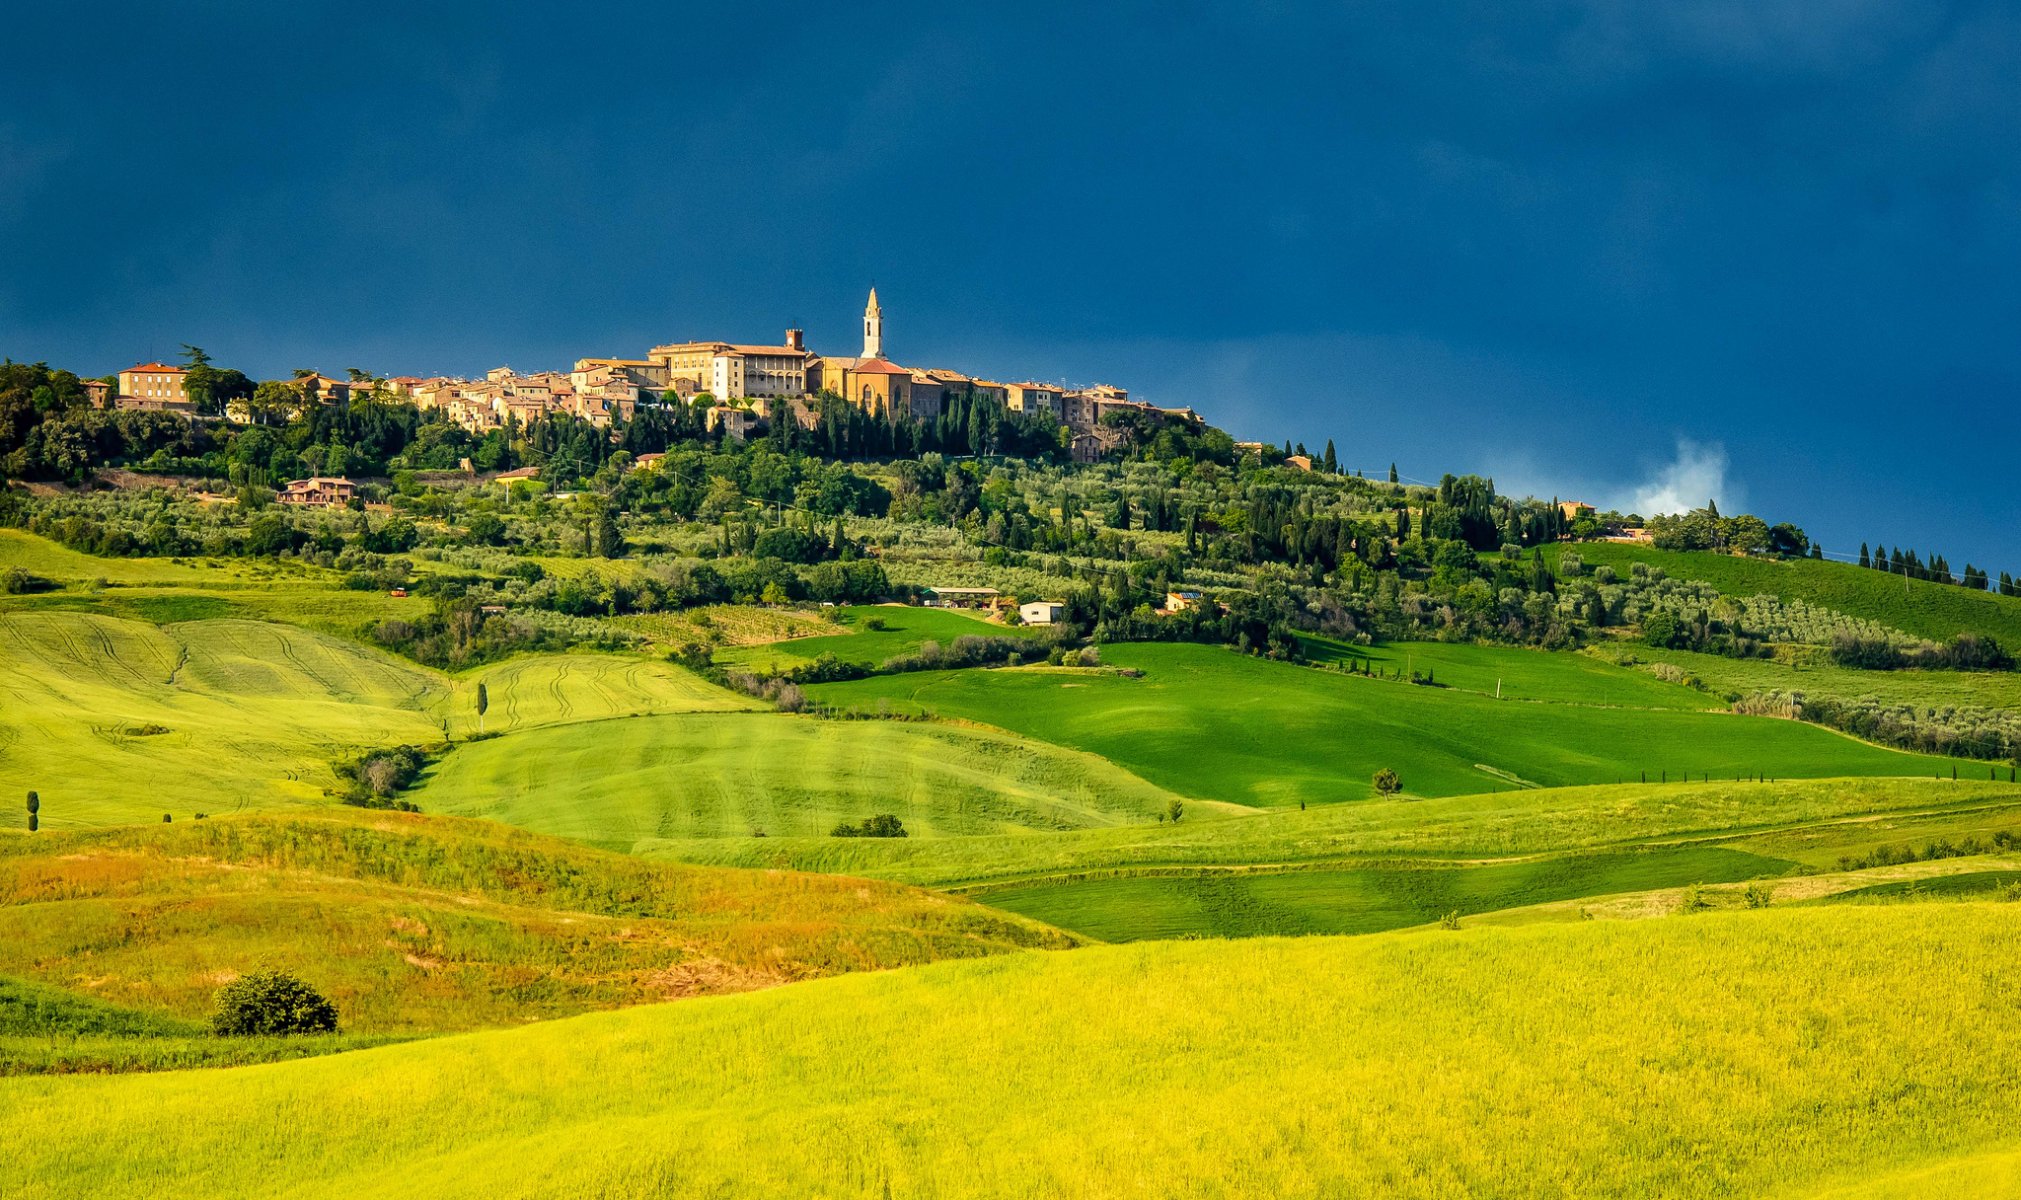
{"x": 873, "y": 327}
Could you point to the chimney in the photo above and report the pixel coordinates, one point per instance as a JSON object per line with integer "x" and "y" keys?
{"x": 793, "y": 340}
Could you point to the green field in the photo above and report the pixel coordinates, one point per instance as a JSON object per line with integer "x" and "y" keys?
{"x": 1809, "y": 821}
{"x": 1794, "y": 1052}
{"x": 1931, "y": 610}
{"x": 1242, "y": 903}
{"x": 905, "y": 630}
{"x": 1516, "y": 673}
{"x": 417, "y": 924}
{"x": 1207, "y": 722}
{"x": 616, "y": 783}
{"x": 115, "y": 720}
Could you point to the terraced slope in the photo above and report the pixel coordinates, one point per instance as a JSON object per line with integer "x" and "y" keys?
{"x": 1790, "y": 1053}
{"x": 616, "y": 783}
{"x": 1931, "y": 610}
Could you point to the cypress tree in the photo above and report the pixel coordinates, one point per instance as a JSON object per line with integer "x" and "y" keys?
{"x": 1332, "y": 463}
{"x": 1864, "y": 560}
{"x": 1392, "y": 472}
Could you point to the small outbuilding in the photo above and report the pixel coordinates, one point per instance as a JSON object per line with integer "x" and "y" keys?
{"x": 1042, "y": 612}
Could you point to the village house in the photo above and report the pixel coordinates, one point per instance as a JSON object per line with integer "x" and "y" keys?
{"x": 1035, "y": 398}
{"x": 321, "y": 490}
{"x": 735, "y": 423}
{"x": 1180, "y": 601}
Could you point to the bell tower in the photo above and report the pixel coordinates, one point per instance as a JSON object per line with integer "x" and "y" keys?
{"x": 873, "y": 328}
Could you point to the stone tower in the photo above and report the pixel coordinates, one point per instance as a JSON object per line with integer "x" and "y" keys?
{"x": 873, "y": 328}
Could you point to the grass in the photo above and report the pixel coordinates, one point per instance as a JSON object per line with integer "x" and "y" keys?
{"x": 116, "y": 721}
{"x": 1792, "y": 1052}
{"x": 417, "y": 924}
{"x": 1517, "y": 673}
{"x": 905, "y": 630}
{"x": 1240, "y": 903}
{"x": 165, "y": 590}
{"x": 1807, "y": 821}
{"x": 1284, "y": 735}
{"x": 1967, "y": 885}
{"x": 614, "y": 783}
{"x": 1931, "y": 610}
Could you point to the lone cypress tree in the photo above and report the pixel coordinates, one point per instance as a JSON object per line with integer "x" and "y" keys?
{"x": 1392, "y": 472}
{"x": 1864, "y": 560}
{"x": 483, "y": 702}
{"x": 34, "y": 811}
{"x": 1332, "y": 463}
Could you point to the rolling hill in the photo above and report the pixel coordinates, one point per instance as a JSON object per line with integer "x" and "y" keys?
{"x": 416, "y": 924}
{"x": 1792, "y": 1052}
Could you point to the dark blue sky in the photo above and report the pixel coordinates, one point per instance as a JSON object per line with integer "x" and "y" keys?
{"x": 1608, "y": 249}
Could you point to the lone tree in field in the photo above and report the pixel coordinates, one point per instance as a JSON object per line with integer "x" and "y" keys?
{"x": 1387, "y": 783}
{"x": 269, "y": 1002}
{"x": 483, "y": 702}
{"x": 34, "y": 808}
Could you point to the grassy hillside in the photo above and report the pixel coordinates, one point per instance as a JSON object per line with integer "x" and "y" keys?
{"x": 118, "y": 721}
{"x": 1518, "y": 673}
{"x": 1243, "y": 903}
{"x": 164, "y": 590}
{"x": 1931, "y": 610}
{"x": 419, "y": 924}
{"x": 115, "y": 720}
{"x": 1793, "y": 1052}
{"x": 1282, "y": 735}
{"x": 1810, "y": 821}
{"x": 905, "y": 630}
{"x": 707, "y": 776}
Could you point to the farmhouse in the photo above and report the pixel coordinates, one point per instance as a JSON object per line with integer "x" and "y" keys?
{"x": 508, "y": 478}
{"x": 1042, "y": 612}
{"x": 1180, "y": 601}
{"x": 319, "y": 490}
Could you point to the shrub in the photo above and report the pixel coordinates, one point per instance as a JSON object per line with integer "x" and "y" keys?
{"x": 269, "y": 1002}
{"x": 1387, "y": 783}
{"x": 1757, "y": 895}
{"x": 883, "y": 825}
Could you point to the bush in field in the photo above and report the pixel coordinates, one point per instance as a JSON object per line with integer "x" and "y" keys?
{"x": 269, "y": 1002}
{"x": 1387, "y": 783}
{"x": 883, "y": 825}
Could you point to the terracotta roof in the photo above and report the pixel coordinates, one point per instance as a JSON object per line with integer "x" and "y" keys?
{"x": 157, "y": 367}
{"x": 879, "y": 366}
{"x": 775, "y": 351}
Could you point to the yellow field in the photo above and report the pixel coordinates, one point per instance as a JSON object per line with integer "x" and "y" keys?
{"x": 1786, "y": 1053}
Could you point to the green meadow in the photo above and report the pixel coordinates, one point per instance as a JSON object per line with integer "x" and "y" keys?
{"x": 115, "y": 720}
{"x": 1512, "y": 673}
{"x": 1208, "y": 722}
{"x": 618, "y": 782}
{"x": 1805, "y": 821}
{"x": 1254, "y": 903}
{"x": 1796, "y": 1052}
{"x": 904, "y": 630}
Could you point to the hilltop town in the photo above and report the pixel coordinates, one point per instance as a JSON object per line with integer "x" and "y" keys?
{"x": 742, "y": 389}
